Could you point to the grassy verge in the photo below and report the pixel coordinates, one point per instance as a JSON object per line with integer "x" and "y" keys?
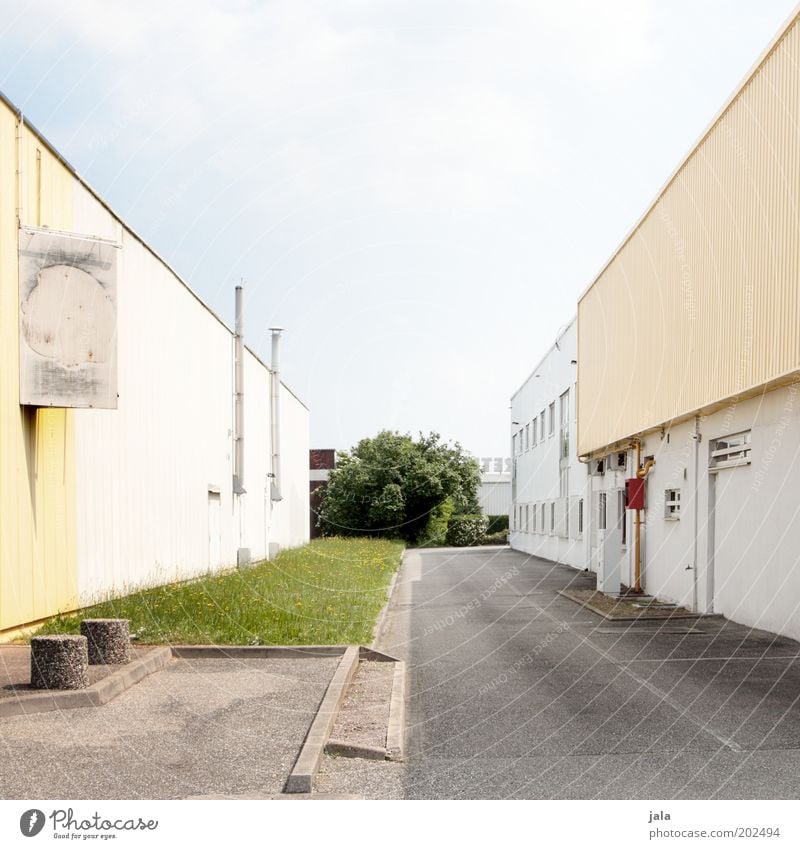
{"x": 329, "y": 591}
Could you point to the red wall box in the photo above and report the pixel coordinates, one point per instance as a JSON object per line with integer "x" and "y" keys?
{"x": 634, "y": 493}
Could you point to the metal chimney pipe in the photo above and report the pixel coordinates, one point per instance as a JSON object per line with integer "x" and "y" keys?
{"x": 275, "y": 415}
{"x": 238, "y": 395}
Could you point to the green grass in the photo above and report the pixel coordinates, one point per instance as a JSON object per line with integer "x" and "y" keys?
{"x": 327, "y": 592}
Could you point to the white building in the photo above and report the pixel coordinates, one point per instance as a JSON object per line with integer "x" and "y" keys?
{"x": 123, "y": 461}
{"x": 689, "y": 370}
{"x": 494, "y": 491}
{"x": 547, "y": 515}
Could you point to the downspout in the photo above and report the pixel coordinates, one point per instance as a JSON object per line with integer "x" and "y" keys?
{"x": 275, "y": 412}
{"x": 641, "y": 472}
{"x": 19, "y": 131}
{"x": 238, "y": 396}
{"x": 696, "y": 437}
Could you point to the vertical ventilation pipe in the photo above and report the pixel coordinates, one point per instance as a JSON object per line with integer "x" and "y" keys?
{"x": 238, "y": 396}
{"x": 275, "y": 415}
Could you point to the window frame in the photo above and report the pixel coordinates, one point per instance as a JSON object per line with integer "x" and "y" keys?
{"x": 730, "y": 456}
{"x": 672, "y": 504}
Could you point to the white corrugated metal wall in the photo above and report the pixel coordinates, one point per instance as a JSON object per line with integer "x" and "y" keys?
{"x": 149, "y": 472}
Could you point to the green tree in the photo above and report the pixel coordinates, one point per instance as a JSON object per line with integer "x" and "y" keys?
{"x": 392, "y": 486}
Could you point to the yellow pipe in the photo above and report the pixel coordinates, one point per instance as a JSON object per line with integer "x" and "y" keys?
{"x": 641, "y": 472}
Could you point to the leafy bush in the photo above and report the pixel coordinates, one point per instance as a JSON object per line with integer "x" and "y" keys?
{"x": 499, "y": 538}
{"x": 436, "y": 530}
{"x": 467, "y": 529}
{"x": 393, "y": 486}
{"x": 497, "y": 524}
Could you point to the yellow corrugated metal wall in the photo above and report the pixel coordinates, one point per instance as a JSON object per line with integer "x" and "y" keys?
{"x": 37, "y": 461}
{"x": 701, "y": 303}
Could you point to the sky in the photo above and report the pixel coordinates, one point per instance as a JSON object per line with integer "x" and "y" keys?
{"x": 417, "y": 190}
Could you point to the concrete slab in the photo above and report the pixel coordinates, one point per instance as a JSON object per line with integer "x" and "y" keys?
{"x": 226, "y": 727}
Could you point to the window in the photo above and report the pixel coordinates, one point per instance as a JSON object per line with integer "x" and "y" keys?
{"x": 580, "y": 515}
{"x": 541, "y": 514}
{"x": 533, "y": 432}
{"x": 527, "y": 518}
{"x": 513, "y": 445}
{"x": 564, "y": 425}
{"x": 541, "y": 426}
{"x": 551, "y": 420}
{"x": 552, "y": 516}
{"x": 601, "y": 512}
{"x": 672, "y": 504}
{"x": 535, "y": 513}
{"x": 527, "y": 436}
{"x": 730, "y": 451}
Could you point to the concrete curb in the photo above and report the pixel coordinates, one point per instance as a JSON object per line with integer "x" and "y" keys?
{"x": 96, "y": 694}
{"x": 395, "y": 732}
{"x": 377, "y": 631}
{"x": 301, "y": 778}
{"x": 217, "y": 651}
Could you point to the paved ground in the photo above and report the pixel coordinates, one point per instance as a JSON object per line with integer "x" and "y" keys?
{"x": 517, "y": 692}
{"x": 199, "y": 728}
{"x": 15, "y": 669}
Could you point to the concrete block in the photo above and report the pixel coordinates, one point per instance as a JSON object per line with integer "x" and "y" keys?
{"x": 109, "y": 640}
{"x": 59, "y": 662}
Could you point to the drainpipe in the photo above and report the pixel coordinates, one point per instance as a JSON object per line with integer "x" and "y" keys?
{"x": 641, "y": 472}
{"x": 696, "y": 437}
{"x": 19, "y": 132}
{"x": 275, "y": 412}
{"x": 238, "y": 396}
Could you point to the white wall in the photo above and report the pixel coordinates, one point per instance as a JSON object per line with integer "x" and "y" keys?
{"x": 745, "y": 564}
{"x": 147, "y": 471}
{"x": 291, "y": 516}
{"x": 494, "y": 495}
{"x": 536, "y": 469}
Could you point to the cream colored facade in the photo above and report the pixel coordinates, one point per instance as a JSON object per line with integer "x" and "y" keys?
{"x": 95, "y": 502}
{"x": 701, "y": 303}
{"x": 37, "y": 459}
{"x": 689, "y": 342}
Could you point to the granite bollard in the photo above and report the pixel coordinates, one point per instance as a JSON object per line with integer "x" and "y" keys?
{"x": 109, "y": 640}
{"x": 59, "y": 662}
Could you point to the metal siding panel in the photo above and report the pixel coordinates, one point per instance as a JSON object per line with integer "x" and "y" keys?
{"x": 37, "y": 470}
{"x": 701, "y": 303}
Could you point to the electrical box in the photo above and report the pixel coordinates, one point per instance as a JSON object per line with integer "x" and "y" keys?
{"x": 634, "y": 493}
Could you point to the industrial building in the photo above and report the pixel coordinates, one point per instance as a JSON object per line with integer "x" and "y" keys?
{"x": 494, "y": 490}
{"x": 140, "y": 441}
{"x": 688, "y": 369}
{"x": 548, "y": 484}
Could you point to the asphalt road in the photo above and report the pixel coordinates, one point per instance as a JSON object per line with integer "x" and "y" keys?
{"x": 518, "y": 692}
